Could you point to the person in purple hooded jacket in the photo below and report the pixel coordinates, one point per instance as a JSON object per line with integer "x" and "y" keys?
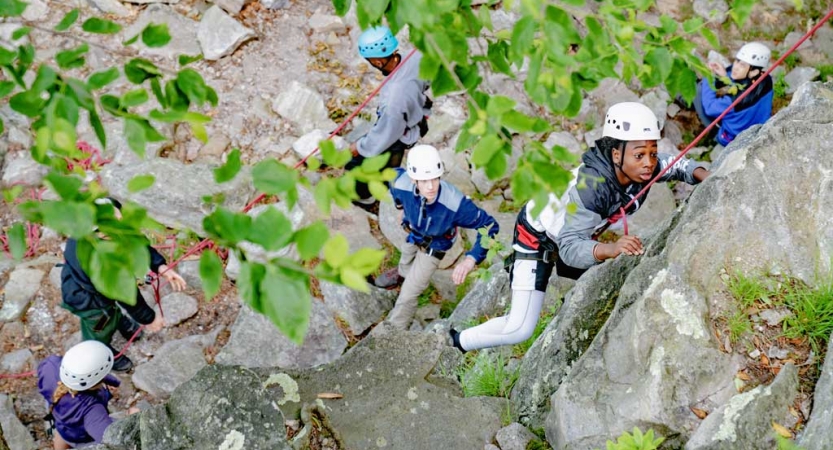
{"x": 77, "y": 390}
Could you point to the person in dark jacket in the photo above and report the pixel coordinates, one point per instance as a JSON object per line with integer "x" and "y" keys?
{"x": 77, "y": 391}
{"x": 563, "y": 235}
{"x": 100, "y": 316}
{"x": 402, "y": 115}
{"x": 432, "y": 211}
{"x": 756, "y": 108}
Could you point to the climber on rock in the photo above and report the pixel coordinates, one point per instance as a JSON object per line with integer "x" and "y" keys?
{"x": 432, "y": 211}
{"x": 402, "y": 115}
{"x": 563, "y": 235}
{"x": 750, "y": 63}
{"x": 100, "y": 316}
{"x": 77, "y": 390}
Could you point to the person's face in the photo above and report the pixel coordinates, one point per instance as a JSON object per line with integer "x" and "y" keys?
{"x": 741, "y": 70}
{"x": 429, "y": 188}
{"x": 385, "y": 65}
{"x": 640, "y": 160}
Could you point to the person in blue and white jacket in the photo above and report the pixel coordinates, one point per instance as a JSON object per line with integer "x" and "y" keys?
{"x": 563, "y": 235}
{"x": 432, "y": 211}
{"x": 756, "y": 108}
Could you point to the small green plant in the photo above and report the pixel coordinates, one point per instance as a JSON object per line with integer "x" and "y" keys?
{"x": 786, "y": 443}
{"x": 636, "y": 441}
{"x": 779, "y": 88}
{"x": 428, "y": 296}
{"x": 541, "y": 442}
{"x": 486, "y": 375}
{"x": 747, "y": 289}
{"x": 812, "y": 312}
{"x": 738, "y": 324}
{"x": 825, "y": 71}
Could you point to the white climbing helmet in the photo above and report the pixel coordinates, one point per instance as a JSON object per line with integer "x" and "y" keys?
{"x": 754, "y": 54}
{"x": 631, "y": 121}
{"x": 424, "y": 163}
{"x": 85, "y": 365}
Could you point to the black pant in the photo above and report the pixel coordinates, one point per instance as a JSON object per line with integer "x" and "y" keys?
{"x": 397, "y": 152}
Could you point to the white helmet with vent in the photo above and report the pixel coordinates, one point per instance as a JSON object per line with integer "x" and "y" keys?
{"x": 755, "y": 54}
{"x": 631, "y": 121}
{"x": 424, "y": 163}
{"x": 85, "y": 365}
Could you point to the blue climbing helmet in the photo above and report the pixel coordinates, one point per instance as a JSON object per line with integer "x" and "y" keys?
{"x": 377, "y": 42}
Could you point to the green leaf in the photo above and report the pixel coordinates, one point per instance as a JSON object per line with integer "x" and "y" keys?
{"x": 156, "y": 87}
{"x": 229, "y": 170}
{"x": 64, "y": 137}
{"x": 191, "y": 83}
{"x": 271, "y": 230}
{"x": 211, "y": 273}
{"x": 100, "y": 79}
{"x": 66, "y": 186}
{"x": 660, "y": 61}
{"x": 336, "y": 250}
{"x": 378, "y": 190}
{"x": 70, "y": 59}
{"x": 156, "y": 35}
{"x": 366, "y": 260}
{"x": 6, "y": 88}
{"x": 332, "y": 156}
{"x": 12, "y": 8}
{"x": 82, "y": 93}
{"x": 131, "y": 41}
{"x": 100, "y": 26}
{"x": 20, "y": 32}
{"x": 184, "y": 60}
{"x": 498, "y": 56}
{"x": 341, "y": 6}
{"x": 68, "y": 20}
{"x": 138, "y": 70}
{"x": 668, "y": 25}
{"x": 376, "y": 163}
{"x": 353, "y": 279}
{"x": 111, "y": 271}
{"x": 17, "y": 241}
{"x": 499, "y": 104}
{"x": 7, "y": 57}
{"x": 64, "y": 107}
{"x": 374, "y": 9}
{"x": 29, "y": 103}
{"x": 72, "y": 219}
{"x": 520, "y": 122}
{"x": 95, "y": 123}
{"x": 248, "y": 283}
{"x": 740, "y": 11}
{"x": 310, "y": 239}
{"x": 286, "y": 301}
{"x": 710, "y": 37}
{"x": 230, "y": 227}
{"x": 45, "y": 79}
{"x": 140, "y": 182}
{"x": 134, "y": 133}
{"x": 133, "y": 98}
{"x": 691, "y": 25}
{"x": 486, "y": 149}
{"x": 273, "y": 177}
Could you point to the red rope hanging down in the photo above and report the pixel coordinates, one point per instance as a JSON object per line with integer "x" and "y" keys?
{"x": 705, "y": 132}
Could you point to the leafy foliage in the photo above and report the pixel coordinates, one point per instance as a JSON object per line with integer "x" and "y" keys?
{"x": 486, "y": 374}
{"x": 636, "y": 441}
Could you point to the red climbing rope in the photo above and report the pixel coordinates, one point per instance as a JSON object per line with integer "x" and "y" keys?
{"x": 705, "y": 132}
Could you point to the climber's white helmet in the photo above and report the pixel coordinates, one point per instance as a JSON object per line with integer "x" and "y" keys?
{"x": 424, "y": 163}
{"x": 755, "y": 54}
{"x": 85, "y": 365}
{"x": 631, "y": 121}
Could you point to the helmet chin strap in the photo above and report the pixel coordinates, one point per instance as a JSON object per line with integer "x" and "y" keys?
{"x": 622, "y": 161}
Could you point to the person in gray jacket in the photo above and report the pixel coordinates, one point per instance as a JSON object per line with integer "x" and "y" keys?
{"x": 402, "y": 115}
{"x": 563, "y": 237}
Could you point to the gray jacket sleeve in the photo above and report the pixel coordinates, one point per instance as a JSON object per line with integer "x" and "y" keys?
{"x": 388, "y": 129}
{"x": 575, "y": 246}
{"x": 682, "y": 170}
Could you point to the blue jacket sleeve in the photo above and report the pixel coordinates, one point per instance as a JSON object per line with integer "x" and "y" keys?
{"x": 96, "y": 421}
{"x": 713, "y": 105}
{"x": 471, "y": 216}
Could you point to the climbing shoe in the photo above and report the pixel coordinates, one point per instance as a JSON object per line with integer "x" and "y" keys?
{"x": 455, "y": 340}
{"x": 122, "y": 364}
{"x": 389, "y": 279}
{"x": 370, "y": 208}
{"x": 127, "y": 327}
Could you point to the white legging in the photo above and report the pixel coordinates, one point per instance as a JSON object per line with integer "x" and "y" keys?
{"x": 513, "y": 328}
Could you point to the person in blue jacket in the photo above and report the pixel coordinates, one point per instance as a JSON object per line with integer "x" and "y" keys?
{"x": 77, "y": 391}
{"x": 756, "y": 108}
{"x": 432, "y": 211}
{"x": 402, "y": 115}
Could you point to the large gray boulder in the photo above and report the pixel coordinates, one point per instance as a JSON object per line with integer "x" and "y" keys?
{"x": 387, "y": 402}
{"x": 357, "y": 309}
{"x": 745, "y": 421}
{"x": 256, "y": 342}
{"x": 221, "y": 407}
{"x": 768, "y": 202}
{"x": 176, "y": 198}
{"x": 174, "y": 363}
{"x": 15, "y": 433}
{"x": 22, "y": 286}
{"x": 818, "y": 435}
{"x": 488, "y": 297}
